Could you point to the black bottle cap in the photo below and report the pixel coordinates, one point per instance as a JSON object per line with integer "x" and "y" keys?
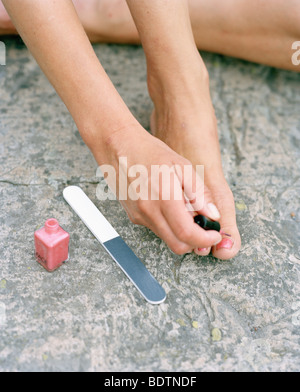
{"x": 207, "y": 224}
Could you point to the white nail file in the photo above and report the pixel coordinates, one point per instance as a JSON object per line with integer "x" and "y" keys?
{"x": 130, "y": 264}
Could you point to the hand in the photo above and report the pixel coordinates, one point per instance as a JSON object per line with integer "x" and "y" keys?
{"x": 169, "y": 218}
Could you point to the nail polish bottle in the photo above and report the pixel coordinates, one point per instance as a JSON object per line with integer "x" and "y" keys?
{"x": 51, "y": 245}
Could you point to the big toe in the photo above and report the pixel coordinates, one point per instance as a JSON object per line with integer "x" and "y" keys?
{"x": 230, "y": 245}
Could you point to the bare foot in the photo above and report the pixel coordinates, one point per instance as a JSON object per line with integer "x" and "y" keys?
{"x": 186, "y": 122}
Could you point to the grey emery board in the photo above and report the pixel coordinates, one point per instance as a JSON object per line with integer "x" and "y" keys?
{"x": 116, "y": 247}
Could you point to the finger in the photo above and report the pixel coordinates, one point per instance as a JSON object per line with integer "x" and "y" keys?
{"x": 162, "y": 229}
{"x": 185, "y": 229}
{"x": 197, "y": 194}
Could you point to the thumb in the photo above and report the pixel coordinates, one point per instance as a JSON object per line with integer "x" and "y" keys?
{"x": 198, "y": 197}
{"x": 209, "y": 209}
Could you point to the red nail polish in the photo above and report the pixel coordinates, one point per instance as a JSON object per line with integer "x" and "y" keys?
{"x": 226, "y": 243}
{"x": 202, "y": 249}
{"x": 51, "y": 245}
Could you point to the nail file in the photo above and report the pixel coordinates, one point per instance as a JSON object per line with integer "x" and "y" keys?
{"x": 116, "y": 247}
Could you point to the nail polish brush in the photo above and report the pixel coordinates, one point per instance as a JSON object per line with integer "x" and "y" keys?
{"x": 208, "y": 224}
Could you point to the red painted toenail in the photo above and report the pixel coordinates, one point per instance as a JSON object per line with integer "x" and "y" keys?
{"x": 202, "y": 249}
{"x": 226, "y": 243}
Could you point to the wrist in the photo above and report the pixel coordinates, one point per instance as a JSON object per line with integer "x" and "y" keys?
{"x": 108, "y": 143}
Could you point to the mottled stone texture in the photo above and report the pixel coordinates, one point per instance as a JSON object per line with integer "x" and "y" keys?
{"x": 241, "y": 315}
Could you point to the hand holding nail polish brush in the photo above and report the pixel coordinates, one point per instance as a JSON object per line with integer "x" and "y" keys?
{"x": 208, "y": 224}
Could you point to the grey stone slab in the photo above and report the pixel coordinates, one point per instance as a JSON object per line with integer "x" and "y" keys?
{"x": 240, "y": 315}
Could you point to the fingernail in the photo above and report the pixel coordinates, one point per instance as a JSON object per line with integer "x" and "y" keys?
{"x": 214, "y": 212}
{"x": 226, "y": 243}
{"x": 218, "y": 242}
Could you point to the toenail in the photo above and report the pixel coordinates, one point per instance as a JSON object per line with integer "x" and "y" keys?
{"x": 202, "y": 249}
{"x": 226, "y": 243}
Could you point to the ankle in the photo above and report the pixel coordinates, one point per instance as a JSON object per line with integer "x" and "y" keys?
{"x": 183, "y": 93}
{"x": 168, "y": 85}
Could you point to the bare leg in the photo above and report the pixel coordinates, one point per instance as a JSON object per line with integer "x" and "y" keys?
{"x": 184, "y": 119}
{"x": 103, "y": 20}
{"x": 184, "y": 116}
{"x": 258, "y": 31}
{"x": 54, "y": 35}
{"x": 107, "y": 21}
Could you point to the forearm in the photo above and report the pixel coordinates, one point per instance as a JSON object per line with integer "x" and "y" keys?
{"x": 54, "y": 35}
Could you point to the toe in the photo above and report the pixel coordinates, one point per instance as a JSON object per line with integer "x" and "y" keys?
{"x": 202, "y": 251}
{"x": 230, "y": 245}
